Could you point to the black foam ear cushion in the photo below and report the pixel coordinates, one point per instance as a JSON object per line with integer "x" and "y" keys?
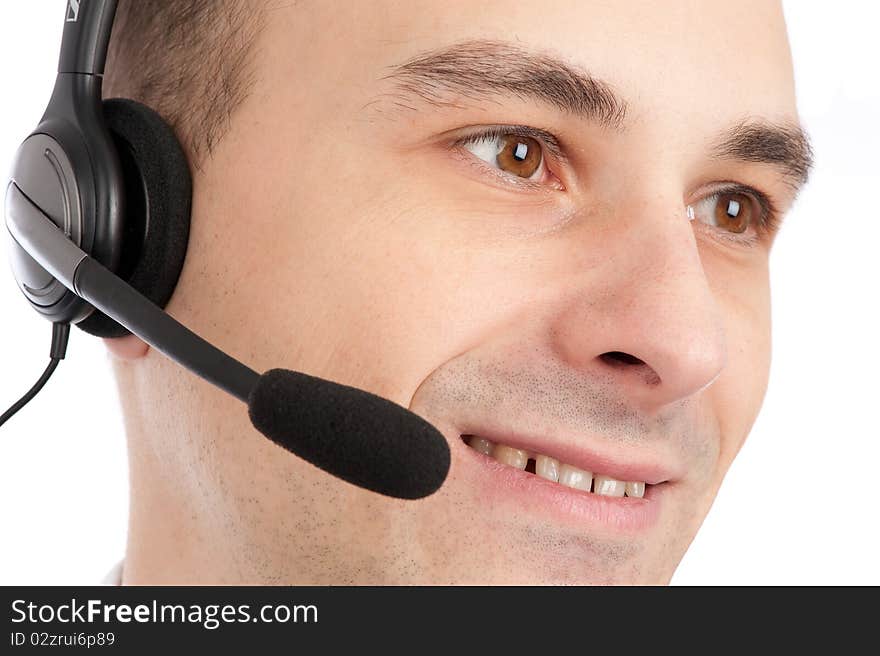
{"x": 158, "y": 197}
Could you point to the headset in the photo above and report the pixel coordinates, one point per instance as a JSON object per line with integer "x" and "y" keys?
{"x": 98, "y": 209}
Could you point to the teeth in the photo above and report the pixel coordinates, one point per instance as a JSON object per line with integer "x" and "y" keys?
{"x": 481, "y": 444}
{"x": 635, "y": 489}
{"x": 547, "y": 467}
{"x": 510, "y": 456}
{"x": 609, "y": 487}
{"x": 553, "y": 470}
{"x": 576, "y": 478}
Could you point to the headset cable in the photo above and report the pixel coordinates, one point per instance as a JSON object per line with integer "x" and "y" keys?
{"x": 60, "y": 335}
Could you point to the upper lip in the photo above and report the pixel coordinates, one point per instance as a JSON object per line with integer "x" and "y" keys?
{"x": 629, "y": 467}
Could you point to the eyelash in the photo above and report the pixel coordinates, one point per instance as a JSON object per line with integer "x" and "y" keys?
{"x": 768, "y": 221}
{"x": 547, "y": 139}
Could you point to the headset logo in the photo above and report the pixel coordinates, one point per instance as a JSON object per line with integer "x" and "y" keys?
{"x": 72, "y": 10}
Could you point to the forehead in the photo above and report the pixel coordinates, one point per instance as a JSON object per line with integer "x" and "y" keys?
{"x": 714, "y": 59}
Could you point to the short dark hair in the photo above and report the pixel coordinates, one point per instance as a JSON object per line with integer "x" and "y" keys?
{"x": 189, "y": 60}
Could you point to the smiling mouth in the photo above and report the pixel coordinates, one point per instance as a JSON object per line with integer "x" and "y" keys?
{"x": 555, "y": 471}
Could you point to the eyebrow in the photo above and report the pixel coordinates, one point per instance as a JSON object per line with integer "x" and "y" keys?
{"x": 784, "y": 145}
{"x": 482, "y": 69}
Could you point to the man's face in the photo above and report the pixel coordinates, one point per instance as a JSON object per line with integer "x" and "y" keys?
{"x": 566, "y": 259}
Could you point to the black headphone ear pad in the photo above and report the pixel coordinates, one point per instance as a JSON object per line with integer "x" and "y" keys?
{"x": 156, "y": 214}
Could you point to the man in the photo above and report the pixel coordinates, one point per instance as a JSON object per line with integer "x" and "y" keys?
{"x": 544, "y": 227}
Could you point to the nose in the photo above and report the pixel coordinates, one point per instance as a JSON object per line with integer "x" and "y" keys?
{"x": 646, "y": 315}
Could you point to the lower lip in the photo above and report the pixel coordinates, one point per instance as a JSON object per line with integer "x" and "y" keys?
{"x": 500, "y": 484}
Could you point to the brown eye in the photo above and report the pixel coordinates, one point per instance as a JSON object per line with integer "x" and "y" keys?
{"x": 520, "y": 156}
{"x": 733, "y": 212}
{"x": 512, "y": 154}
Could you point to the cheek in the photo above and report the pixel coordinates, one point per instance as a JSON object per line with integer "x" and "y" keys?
{"x": 739, "y": 391}
{"x": 405, "y": 298}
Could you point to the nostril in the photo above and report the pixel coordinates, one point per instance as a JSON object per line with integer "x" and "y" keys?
{"x": 619, "y": 357}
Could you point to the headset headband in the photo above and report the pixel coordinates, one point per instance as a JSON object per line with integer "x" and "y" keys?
{"x": 86, "y": 36}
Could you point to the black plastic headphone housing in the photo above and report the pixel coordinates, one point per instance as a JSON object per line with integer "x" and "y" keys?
{"x": 113, "y": 176}
{"x": 69, "y": 168}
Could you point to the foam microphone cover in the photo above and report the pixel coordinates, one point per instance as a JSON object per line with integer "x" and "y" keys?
{"x": 355, "y": 435}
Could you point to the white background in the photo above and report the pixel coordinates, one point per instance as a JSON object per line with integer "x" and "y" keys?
{"x": 799, "y": 504}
